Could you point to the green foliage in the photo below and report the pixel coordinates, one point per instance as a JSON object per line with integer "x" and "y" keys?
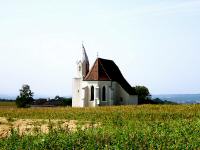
{"x": 122, "y": 127}
{"x": 25, "y": 98}
{"x": 159, "y": 101}
{"x": 62, "y": 101}
{"x": 67, "y": 101}
{"x": 144, "y": 96}
{"x": 142, "y": 92}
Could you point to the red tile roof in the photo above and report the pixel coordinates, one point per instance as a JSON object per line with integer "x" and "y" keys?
{"x": 107, "y": 70}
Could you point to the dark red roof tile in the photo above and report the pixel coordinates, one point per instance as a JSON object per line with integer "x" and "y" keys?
{"x": 107, "y": 70}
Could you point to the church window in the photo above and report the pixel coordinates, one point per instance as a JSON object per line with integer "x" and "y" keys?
{"x": 92, "y": 93}
{"x": 104, "y": 94}
{"x": 79, "y": 68}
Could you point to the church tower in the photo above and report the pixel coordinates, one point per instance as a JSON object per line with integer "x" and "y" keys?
{"x": 85, "y": 62}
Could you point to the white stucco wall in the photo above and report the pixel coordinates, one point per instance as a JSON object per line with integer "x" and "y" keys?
{"x": 109, "y": 92}
{"x": 89, "y": 84}
{"x": 76, "y": 89}
{"x": 115, "y": 94}
{"x": 133, "y": 100}
{"x": 123, "y": 97}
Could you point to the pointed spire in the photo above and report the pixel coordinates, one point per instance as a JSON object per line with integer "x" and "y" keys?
{"x": 85, "y": 62}
{"x": 85, "y": 57}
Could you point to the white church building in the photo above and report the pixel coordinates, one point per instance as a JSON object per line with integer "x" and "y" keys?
{"x": 102, "y": 85}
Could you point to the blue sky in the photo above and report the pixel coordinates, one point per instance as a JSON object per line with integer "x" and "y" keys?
{"x": 154, "y": 43}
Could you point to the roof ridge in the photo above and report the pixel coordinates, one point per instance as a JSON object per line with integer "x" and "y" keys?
{"x": 104, "y": 70}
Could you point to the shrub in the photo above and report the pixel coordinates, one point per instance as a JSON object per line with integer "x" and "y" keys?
{"x": 25, "y": 98}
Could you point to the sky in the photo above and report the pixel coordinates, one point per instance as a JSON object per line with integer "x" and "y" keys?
{"x": 155, "y": 43}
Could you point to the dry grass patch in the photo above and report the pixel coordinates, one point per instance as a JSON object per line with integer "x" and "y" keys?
{"x": 38, "y": 126}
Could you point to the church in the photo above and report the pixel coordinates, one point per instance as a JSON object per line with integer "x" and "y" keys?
{"x": 102, "y": 85}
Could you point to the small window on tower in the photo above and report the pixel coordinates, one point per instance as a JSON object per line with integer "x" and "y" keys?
{"x": 79, "y": 68}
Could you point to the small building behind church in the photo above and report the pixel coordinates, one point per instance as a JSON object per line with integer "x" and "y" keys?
{"x": 102, "y": 85}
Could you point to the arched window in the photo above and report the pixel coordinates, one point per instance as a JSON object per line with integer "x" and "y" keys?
{"x": 104, "y": 94}
{"x": 92, "y": 93}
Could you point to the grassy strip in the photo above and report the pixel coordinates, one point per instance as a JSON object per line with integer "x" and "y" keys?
{"x": 144, "y": 112}
{"x": 122, "y": 127}
{"x": 124, "y": 135}
{"x": 7, "y": 104}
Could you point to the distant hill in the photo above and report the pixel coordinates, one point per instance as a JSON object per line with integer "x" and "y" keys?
{"x": 179, "y": 98}
{"x": 3, "y": 96}
{"x": 156, "y": 101}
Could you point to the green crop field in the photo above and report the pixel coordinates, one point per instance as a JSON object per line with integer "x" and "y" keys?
{"x": 118, "y": 127}
{"x": 7, "y": 104}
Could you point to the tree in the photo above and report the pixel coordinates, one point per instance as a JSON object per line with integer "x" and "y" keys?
{"x": 57, "y": 97}
{"x": 25, "y": 98}
{"x": 142, "y": 92}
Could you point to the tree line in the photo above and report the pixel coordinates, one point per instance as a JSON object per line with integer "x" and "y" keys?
{"x": 25, "y": 98}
